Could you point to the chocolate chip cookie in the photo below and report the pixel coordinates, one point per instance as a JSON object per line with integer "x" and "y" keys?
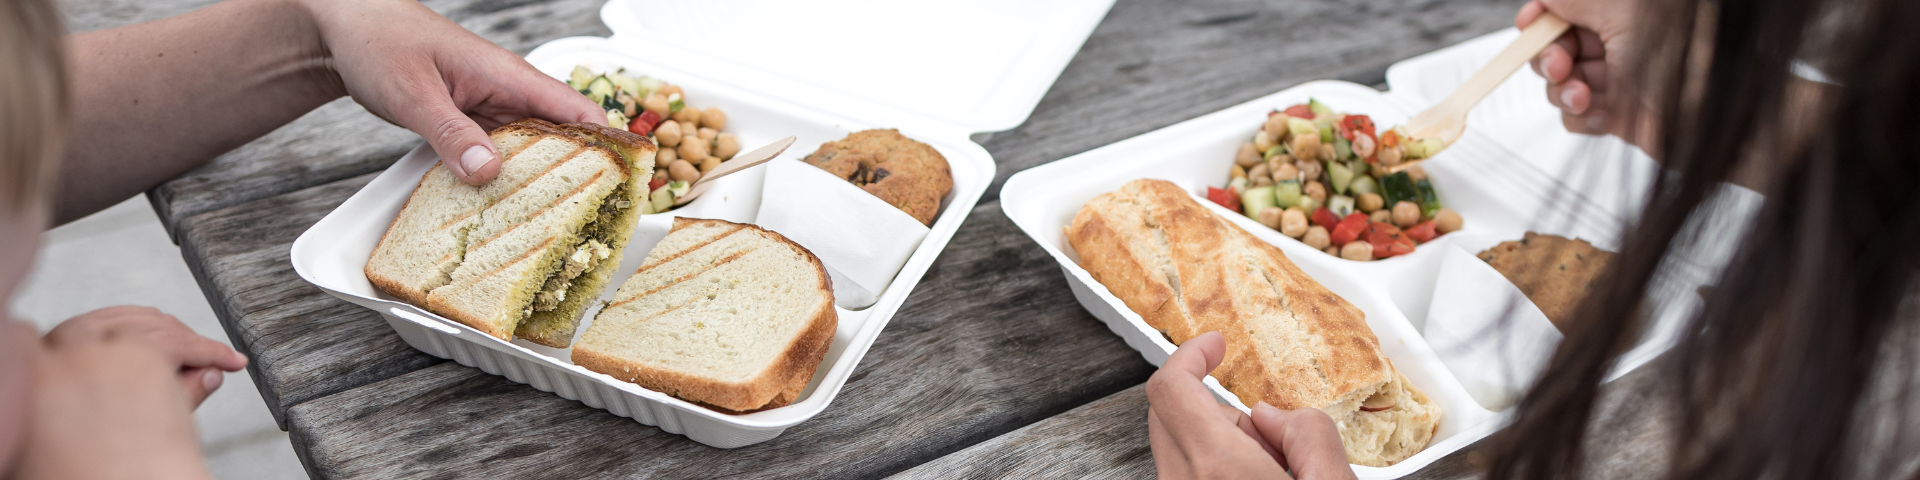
{"x": 905, "y": 173}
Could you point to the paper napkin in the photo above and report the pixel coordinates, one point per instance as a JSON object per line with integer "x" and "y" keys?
{"x": 862, "y": 240}
{"x": 1486, "y": 331}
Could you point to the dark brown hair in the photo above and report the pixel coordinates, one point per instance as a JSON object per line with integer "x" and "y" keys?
{"x": 33, "y": 101}
{"x": 1807, "y": 342}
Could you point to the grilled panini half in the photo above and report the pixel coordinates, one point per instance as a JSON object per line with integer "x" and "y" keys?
{"x": 526, "y": 252}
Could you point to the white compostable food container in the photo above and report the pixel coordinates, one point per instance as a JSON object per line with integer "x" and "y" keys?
{"x": 815, "y": 71}
{"x": 1499, "y": 193}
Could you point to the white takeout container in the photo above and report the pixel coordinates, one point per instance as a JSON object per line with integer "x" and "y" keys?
{"x": 777, "y": 69}
{"x": 1497, "y": 192}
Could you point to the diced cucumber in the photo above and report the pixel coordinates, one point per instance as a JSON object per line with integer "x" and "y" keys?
{"x": 1397, "y": 187}
{"x": 1363, "y": 184}
{"x": 1301, "y": 126}
{"x": 648, "y": 85}
{"x": 599, "y": 89}
{"x": 679, "y": 188}
{"x": 1238, "y": 184}
{"x": 646, "y": 208}
{"x": 1275, "y": 150}
{"x": 1340, "y": 176}
{"x": 661, "y": 201}
{"x": 1286, "y": 193}
{"x": 675, "y": 103}
{"x": 1255, "y": 199}
{"x": 1341, "y": 205}
{"x": 616, "y": 119}
{"x": 626, "y": 84}
{"x": 1342, "y": 148}
{"x": 580, "y": 77}
{"x": 1424, "y": 148}
{"x": 1429, "y": 201}
{"x": 1308, "y": 204}
{"x": 1318, "y": 108}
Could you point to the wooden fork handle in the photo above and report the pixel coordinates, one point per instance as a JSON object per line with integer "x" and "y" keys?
{"x": 1534, "y": 39}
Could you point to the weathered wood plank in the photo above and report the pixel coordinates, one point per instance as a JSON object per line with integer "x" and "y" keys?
{"x": 341, "y": 139}
{"x": 1108, "y": 439}
{"x": 302, "y": 342}
{"x": 1154, "y": 63}
{"x": 991, "y": 340}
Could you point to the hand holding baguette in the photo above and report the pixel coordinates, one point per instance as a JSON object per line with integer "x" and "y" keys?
{"x": 1195, "y": 437}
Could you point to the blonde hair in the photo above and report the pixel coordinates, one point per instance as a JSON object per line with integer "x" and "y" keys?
{"x": 33, "y": 101}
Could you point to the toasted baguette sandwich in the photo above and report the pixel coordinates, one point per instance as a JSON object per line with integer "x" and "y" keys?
{"x": 1290, "y": 341}
{"x": 524, "y": 254}
{"x": 722, "y": 314}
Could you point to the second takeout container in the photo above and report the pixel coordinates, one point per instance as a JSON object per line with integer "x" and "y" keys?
{"x": 1498, "y": 192}
{"x": 815, "y": 71}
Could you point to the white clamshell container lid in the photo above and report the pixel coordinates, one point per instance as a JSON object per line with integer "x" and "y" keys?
{"x": 967, "y": 65}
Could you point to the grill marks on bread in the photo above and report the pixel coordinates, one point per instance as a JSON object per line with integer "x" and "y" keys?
{"x": 725, "y": 315}
{"x": 1290, "y": 342}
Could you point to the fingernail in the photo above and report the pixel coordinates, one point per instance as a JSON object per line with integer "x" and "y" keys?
{"x": 1263, "y": 404}
{"x": 1566, "y": 99}
{"x": 475, "y": 157}
{"x": 212, "y": 378}
{"x": 1596, "y": 124}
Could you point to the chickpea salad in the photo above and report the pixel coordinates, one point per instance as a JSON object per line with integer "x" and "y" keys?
{"x": 1319, "y": 176}
{"x": 692, "y": 141}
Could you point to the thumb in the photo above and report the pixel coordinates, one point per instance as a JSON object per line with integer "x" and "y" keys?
{"x": 461, "y": 144}
{"x": 1306, "y": 438}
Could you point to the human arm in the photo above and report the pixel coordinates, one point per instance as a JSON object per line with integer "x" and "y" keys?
{"x": 155, "y": 99}
{"x": 112, "y": 396}
{"x": 1194, "y": 436}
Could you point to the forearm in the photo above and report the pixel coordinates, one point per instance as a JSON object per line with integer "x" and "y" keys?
{"x": 155, "y": 99}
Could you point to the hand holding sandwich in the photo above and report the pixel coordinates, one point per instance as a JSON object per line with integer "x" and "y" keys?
{"x": 1194, "y": 436}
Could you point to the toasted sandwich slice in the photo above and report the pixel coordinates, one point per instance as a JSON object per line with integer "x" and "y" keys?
{"x": 493, "y": 256}
{"x": 723, "y": 314}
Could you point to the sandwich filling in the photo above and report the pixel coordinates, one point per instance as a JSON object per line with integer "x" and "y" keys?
{"x": 584, "y": 257}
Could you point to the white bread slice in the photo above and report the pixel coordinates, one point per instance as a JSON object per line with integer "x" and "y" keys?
{"x": 727, "y": 315}
{"x": 1290, "y": 342}
{"x": 478, "y": 255}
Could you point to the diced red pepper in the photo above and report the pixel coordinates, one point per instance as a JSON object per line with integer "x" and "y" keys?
{"x": 1388, "y": 240}
{"x": 1424, "y": 232}
{"x": 1353, "y": 123}
{"x": 1325, "y": 218}
{"x": 656, "y": 184}
{"x": 644, "y": 124}
{"x": 1226, "y": 198}
{"x": 1301, "y": 111}
{"x": 1349, "y": 229}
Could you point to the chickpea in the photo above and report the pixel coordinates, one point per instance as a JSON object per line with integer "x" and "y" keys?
{"x": 1309, "y": 169}
{"x": 665, "y": 156}
{"x": 1416, "y": 173}
{"x": 1327, "y": 152}
{"x": 709, "y": 164}
{"x": 1391, "y": 156}
{"x": 662, "y": 175}
{"x": 1317, "y": 192}
{"x": 715, "y": 118}
{"x": 1332, "y": 250}
{"x": 1270, "y": 217}
{"x": 1406, "y": 214}
{"x": 1237, "y": 172}
{"x": 693, "y": 150}
{"x": 1362, "y": 145}
{"x": 657, "y": 103}
{"x": 1306, "y": 147}
{"x": 683, "y": 171}
{"x": 1276, "y": 127}
{"x": 628, "y": 105}
{"x": 1262, "y": 141}
{"x": 1446, "y": 221}
{"x": 1259, "y": 170}
{"x": 1357, "y": 251}
{"x": 1262, "y": 181}
{"x": 1317, "y": 237}
{"x": 1281, "y": 158}
{"x": 1284, "y": 171}
{"x": 1371, "y": 202}
{"x": 726, "y": 146}
{"x": 708, "y": 134}
{"x": 1292, "y": 223}
{"x": 668, "y": 90}
{"x": 1247, "y": 156}
{"x": 688, "y": 116}
{"x": 1380, "y": 216}
{"x": 668, "y": 133}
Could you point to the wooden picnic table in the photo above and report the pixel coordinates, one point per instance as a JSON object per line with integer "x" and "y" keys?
{"x": 990, "y": 369}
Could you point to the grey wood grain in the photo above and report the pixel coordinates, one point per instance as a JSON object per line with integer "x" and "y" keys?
{"x": 1108, "y": 439}
{"x": 340, "y": 139}
{"x": 991, "y": 340}
{"x": 1154, "y": 63}
{"x": 302, "y": 343}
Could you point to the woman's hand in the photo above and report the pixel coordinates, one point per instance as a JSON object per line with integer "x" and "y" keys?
{"x": 419, "y": 70}
{"x": 120, "y": 384}
{"x": 1194, "y": 436}
{"x": 1581, "y": 67}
